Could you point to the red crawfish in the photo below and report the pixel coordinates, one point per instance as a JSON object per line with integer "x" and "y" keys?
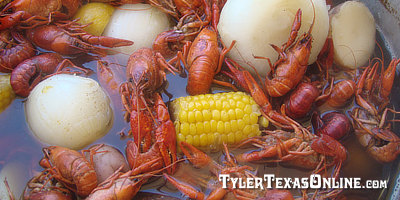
{"x": 42, "y": 186}
{"x": 334, "y": 124}
{"x": 71, "y": 168}
{"x": 14, "y": 53}
{"x": 70, "y": 41}
{"x": 31, "y": 71}
{"x": 31, "y": 13}
{"x": 301, "y": 149}
{"x": 200, "y": 159}
{"x": 151, "y": 126}
{"x": 203, "y": 60}
{"x": 292, "y": 62}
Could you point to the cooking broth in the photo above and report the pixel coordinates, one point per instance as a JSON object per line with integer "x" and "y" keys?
{"x": 18, "y": 143}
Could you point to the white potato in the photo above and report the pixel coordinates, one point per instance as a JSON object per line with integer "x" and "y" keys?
{"x": 140, "y": 23}
{"x": 69, "y": 111}
{"x": 106, "y": 160}
{"x": 255, "y": 24}
{"x": 353, "y": 34}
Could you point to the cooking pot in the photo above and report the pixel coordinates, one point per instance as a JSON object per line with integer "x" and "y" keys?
{"x": 387, "y": 18}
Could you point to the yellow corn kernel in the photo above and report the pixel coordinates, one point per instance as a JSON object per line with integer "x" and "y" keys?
{"x": 218, "y": 139}
{"x": 241, "y": 124}
{"x": 203, "y": 140}
{"x": 216, "y": 115}
{"x": 205, "y": 104}
{"x": 225, "y": 105}
{"x": 231, "y": 138}
{"x": 234, "y": 125}
{"x": 263, "y": 122}
{"x": 211, "y": 139}
{"x": 218, "y": 104}
{"x": 177, "y": 126}
{"x": 7, "y": 95}
{"x": 206, "y": 115}
{"x": 180, "y": 137}
{"x": 189, "y": 139}
{"x": 246, "y": 119}
{"x": 214, "y": 124}
{"x": 212, "y": 104}
{"x": 199, "y": 116}
{"x": 253, "y": 118}
{"x": 224, "y": 138}
{"x": 183, "y": 116}
{"x": 185, "y": 129}
{"x": 192, "y": 129}
{"x": 220, "y": 127}
{"x": 191, "y": 105}
{"x": 238, "y": 136}
{"x": 191, "y": 117}
{"x": 227, "y": 127}
{"x": 247, "y": 129}
{"x": 198, "y": 105}
{"x": 224, "y": 116}
{"x": 248, "y": 109}
{"x": 199, "y": 127}
{"x": 196, "y": 140}
{"x": 207, "y": 127}
{"x": 231, "y": 114}
{"x": 212, "y": 119}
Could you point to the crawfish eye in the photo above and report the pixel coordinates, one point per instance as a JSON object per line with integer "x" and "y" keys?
{"x": 130, "y": 79}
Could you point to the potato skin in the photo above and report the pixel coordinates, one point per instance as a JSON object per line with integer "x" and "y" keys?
{"x": 255, "y": 24}
{"x": 353, "y": 34}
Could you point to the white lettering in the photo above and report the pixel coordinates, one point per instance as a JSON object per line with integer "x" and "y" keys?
{"x": 269, "y": 178}
{"x": 315, "y": 182}
{"x": 224, "y": 179}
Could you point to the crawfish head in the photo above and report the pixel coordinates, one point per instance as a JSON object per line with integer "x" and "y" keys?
{"x": 144, "y": 72}
{"x": 302, "y": 50}
{"x": 385, "y": 146}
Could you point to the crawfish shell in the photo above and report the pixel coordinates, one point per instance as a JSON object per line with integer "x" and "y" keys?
{"x": 301, "y": 100}
{"x": 334, "y": 124}
{"x": 341, "y": 93}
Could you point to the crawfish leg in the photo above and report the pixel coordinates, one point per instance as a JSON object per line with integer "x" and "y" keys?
{"x": 185, "y": 188}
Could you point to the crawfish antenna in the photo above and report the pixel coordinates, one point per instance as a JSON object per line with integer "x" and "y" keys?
{"x": 313, "y": 21}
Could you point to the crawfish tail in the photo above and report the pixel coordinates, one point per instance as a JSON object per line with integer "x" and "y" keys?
{"x": 105, "y": 41}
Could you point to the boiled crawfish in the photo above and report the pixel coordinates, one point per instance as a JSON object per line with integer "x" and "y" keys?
{"x": 200, "y": 159}
{"x": 245, "y": 80}
{"x": 69, "y": 40}
{"x": 299, "y": 149}
{"x": 42, "y": 186}
{"x": 151, "y": 126}
{"x": 31, "y": 13}
{"x": 372, "y": 96}
{"x": 292, "y": 62}
{"x": 11, "y": 56}
{"x": 203, "y": 60}
{"x": 31, "y": 71}
{"x": 71, "y": 168}
{"x": 189, "y": 25}
{"x": 118, "y": 186}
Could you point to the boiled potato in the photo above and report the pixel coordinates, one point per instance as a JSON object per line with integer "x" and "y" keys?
{"x": 140, "y": 23}
{"x": 106, "y": 160}
{"x": 69, "y": 111}
{"x": 353, "y": 34}
{"x": 98, "y": 14}
{"x": 255, "y": 24}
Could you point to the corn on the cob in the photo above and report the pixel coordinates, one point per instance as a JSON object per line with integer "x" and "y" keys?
{"x": 6, "y": 92}
{"x": 211, "y": 119}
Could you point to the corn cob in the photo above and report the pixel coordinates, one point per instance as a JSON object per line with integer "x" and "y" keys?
{"x": 6, "y": 92}
{"x": 211, "y": 119}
